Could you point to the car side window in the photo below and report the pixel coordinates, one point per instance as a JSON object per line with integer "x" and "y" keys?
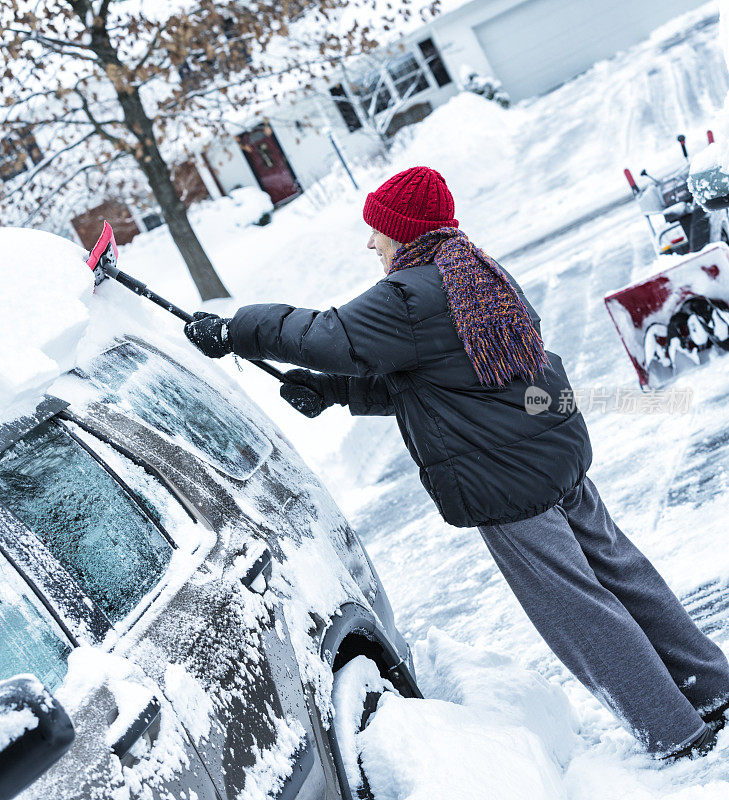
{"x": 92, "y": 527}
{"x": 30, "y": 640}
{"x": 169, "y": 398}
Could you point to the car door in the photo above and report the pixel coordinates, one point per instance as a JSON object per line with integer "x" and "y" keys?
{"x": 78, "y": 554}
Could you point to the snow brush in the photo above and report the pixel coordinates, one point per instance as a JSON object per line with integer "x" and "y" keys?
{"x": 102, "y": 261}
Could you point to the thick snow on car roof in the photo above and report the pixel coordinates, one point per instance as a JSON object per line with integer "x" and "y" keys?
{"x": 54, "y": 319}
{"x": 45, "y": 291}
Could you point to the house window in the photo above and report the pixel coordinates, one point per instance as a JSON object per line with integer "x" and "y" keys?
{"x": 346, "y": 108}
{"x": 16, "y": 151}
{"x": 152, "y": 220}
{"x": 407, "y": 75}
{"x": 372, "y": 92}
{"x": 434, "y": 62}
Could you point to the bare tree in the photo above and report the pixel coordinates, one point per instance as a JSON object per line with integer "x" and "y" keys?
{"x": 122, "y": 90}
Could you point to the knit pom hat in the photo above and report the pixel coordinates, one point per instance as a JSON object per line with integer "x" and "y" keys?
{"x": 409, "y": 204}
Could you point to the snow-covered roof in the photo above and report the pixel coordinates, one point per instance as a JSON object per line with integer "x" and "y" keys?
{"x": 45, "y": 288}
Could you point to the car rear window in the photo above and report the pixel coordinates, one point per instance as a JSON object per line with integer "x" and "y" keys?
{"x": 30, "y": 640}
{"x": 169, "y": 398}
{"x": 93, "y": 528}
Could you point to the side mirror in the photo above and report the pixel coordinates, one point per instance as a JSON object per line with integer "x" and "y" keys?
{"x": 35, "y": 732}
{"x": 709, "y": 180}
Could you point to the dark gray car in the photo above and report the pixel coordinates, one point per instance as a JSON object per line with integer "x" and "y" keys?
{"x": 179, "y": 580}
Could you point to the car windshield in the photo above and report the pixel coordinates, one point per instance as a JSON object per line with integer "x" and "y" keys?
{"x": 30, "y": 640}
{"x": 86, "y": 520}
{"x": 168, "y": 397}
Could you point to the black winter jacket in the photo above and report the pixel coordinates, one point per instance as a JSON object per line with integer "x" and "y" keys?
{"x": 483, "y": 459}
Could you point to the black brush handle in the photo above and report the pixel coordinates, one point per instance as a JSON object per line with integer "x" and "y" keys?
{"x": 141, "y": 289}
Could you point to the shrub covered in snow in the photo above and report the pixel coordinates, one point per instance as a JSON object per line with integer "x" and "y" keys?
{"x": 487, "y": 86}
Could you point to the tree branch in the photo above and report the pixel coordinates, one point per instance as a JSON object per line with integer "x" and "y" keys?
{"x": 42, "y": 165}
{"x": 150, "y": 50}
{"x": 62, "y": 120}
{"x": 65, "y": 183}
{"x": 115, "y": 140}
{"x": 57, "y": 45}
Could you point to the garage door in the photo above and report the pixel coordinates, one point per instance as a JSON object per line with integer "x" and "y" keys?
{"x": 540, "y": 44}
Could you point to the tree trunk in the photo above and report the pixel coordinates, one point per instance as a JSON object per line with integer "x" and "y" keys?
{"x": 156, "y": 170}
{"x": 175, "y": 214}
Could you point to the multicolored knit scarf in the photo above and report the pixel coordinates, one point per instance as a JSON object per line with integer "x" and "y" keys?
{"x": 490, "y": 319}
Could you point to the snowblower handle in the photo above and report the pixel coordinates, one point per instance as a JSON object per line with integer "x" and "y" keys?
{"x": 682, "y": 141}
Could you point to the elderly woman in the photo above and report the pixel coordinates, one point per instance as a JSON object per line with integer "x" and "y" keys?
{"x": 447, "y": 343}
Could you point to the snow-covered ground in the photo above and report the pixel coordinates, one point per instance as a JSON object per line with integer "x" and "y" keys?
{"x": 502, "y": 717}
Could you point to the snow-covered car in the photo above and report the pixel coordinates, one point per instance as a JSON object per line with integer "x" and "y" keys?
{"x": 182, "y": 585}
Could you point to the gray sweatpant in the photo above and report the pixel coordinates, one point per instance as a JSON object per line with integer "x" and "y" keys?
{"x": 611, "y": 619}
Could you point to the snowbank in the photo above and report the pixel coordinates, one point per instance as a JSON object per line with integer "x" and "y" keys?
{"x": 352, "y": 683}
{"x": 478, "y": 131}
{"x": 500, "y": 688}
{"x": 451, "y": 752}
{"x": 489, "y": 730}
{"x": 46, "y": 288}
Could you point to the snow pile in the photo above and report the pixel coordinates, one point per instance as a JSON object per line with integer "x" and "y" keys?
{"x": 252, "y": 202}
{"x": 449, "y": 752}
{"x": 352, "y": 683}
{"x": 45, "y": 290}
{"x": 486, "y": 135}
{"x": 493, "y": 731}
{"x": 500, "y": 688}
{"x": 227, "y": 215}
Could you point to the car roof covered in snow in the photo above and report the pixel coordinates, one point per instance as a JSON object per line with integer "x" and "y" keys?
{"x": 46, "y": 290}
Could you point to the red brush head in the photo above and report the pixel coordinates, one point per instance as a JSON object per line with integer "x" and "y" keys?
{"x": 103, "y": 254}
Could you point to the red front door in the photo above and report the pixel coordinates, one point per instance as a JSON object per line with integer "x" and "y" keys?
{"x": 269, "y": 164}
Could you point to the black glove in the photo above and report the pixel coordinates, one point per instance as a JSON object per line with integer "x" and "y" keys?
{"x": 209, "y": 333}
{"x": 311, "y": 392}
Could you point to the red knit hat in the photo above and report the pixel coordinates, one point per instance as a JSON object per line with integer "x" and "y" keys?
{"x": 409, "y": 204}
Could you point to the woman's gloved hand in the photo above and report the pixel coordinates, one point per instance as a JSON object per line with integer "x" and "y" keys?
{"x": 309, "y": 392}
{"x": 209, "y": 333}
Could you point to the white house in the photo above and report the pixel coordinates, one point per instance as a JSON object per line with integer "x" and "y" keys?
{"x": 529, "y": 46}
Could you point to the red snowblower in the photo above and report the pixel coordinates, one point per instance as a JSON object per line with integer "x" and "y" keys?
{"x": 678, "y": 318}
